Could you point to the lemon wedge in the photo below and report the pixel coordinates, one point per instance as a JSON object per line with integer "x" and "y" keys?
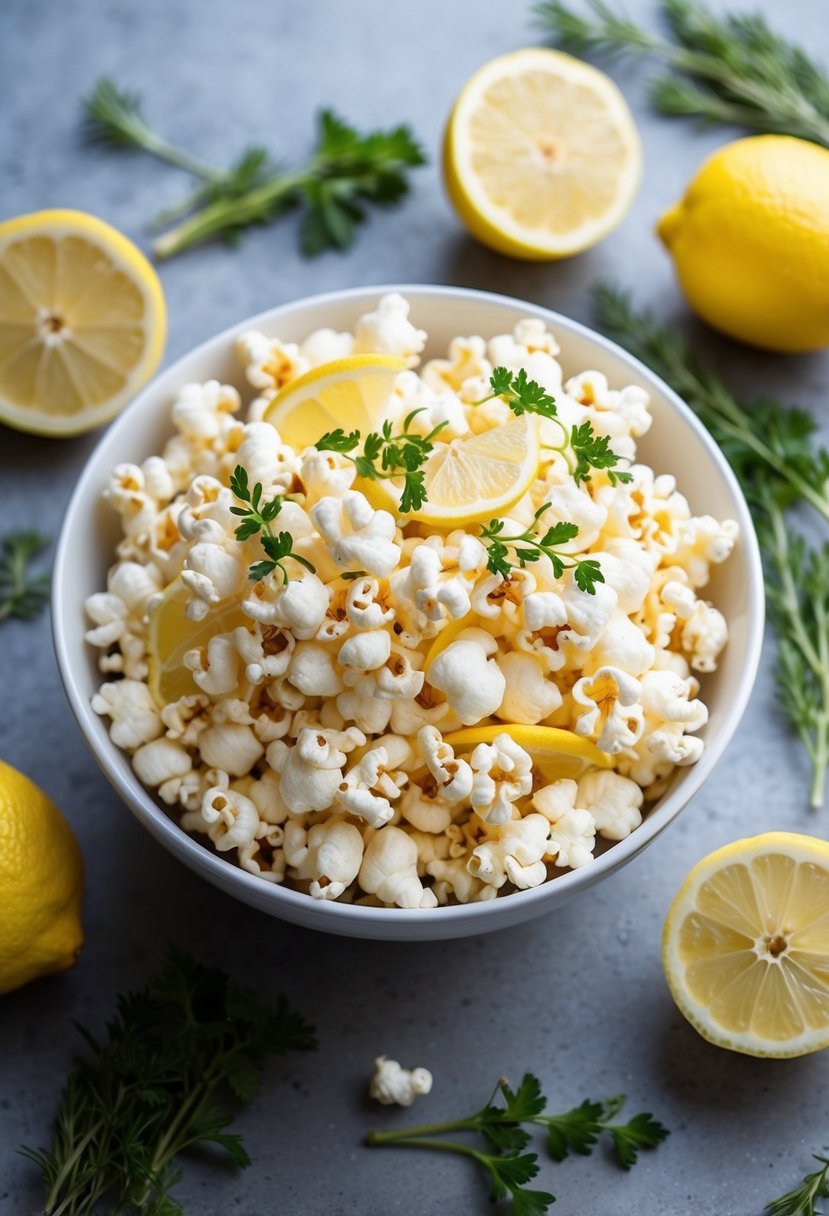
{"x": 471, "y": 479}
{"x": 541, "y": 155}
{"x": 171, "y": 634}
{"x": 556, "y": 753}
{"x": 82, "y": 322}
{"x": 746, "y": 945}
{"x": 351, "y": 393}
{"x": 447, "y": 635}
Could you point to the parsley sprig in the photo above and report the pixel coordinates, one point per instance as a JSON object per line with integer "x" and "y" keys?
{"x": 801, "y": 1200}
{"x": 22, "y": 594}
{"x": 176, "y": 1060}
{"x": 347, "y": 172}
{"x": 504, "y": 1129}
{"x": 256, "y": 519}
{"x": 730, "y": 68}
{"x": 386, "y": 456}
{"x": 581, "y": 447}
{"x": 528, "y": 546}
{"x": 775, "y": 454}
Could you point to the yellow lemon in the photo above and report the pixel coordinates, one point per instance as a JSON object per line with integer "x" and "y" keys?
{"x": 750, "y": 242}
{"x": 471, "y": 479}
{"x": 541, "y": 157}
{"x": 351, "y": 393}
{"x": 171, "y": 634}
{"x": 41, "y": 884}
{"x": 82, "y": 322}
{"x": 556, "y": 753}
{"x": 746, "y": 945}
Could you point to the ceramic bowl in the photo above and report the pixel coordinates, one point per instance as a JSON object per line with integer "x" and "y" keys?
{"x": 676, "y": 444}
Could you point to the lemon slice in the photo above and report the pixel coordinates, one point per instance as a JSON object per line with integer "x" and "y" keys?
{"x": 351, "y": 393}
{"x": 746, "y": 945}
{"x": 471, "y": 479}
{"x": 447, "y": 635}
{"x": 171, "y": 634}
{"x": 82, "y": 322}
{"x": 556, "y": 753}
{"x": 541, "y": 155}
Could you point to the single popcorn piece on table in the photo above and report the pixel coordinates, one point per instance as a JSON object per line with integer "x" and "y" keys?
{"x": 310, "y": 745}
{"x": 393, "y": 1085}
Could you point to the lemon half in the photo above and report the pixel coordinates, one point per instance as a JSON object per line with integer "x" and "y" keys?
{"x": 82, "y": 322}
{"x": 746, "y": 945}
{"x": 556, "y": 753}
{"x": 541, "y": 155}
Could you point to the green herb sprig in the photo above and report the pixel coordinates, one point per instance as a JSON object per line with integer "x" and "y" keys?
{"x": 22, "y": 594}
{"x": 801, "y": 1201}
{"x": 257, "y": 519}
{"x": 528, "y": 547}
{"x": 347, "y": 172}
{"x": 775, "y": 454}
{"x": 177, "y": 1058}
{"x": 581, "y": 447}
{"x": 732, "y": 69}
{"x": 386, "y": 455}
{"x": 504, "y": 1129}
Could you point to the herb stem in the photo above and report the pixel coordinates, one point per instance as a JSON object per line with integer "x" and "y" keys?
{"x": 421, "y": 1131}
{"x": 375, "y": 1139}
{"x": 238, "y": 212}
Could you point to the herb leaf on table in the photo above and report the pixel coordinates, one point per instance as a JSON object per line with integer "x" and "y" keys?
{"x": 22, "y": 594}
{"x": 507, "y": 1130}
{"x": 731, "y": 69}
{"x": 801, "y": 1201}
{"x": 159, "y": 1082}
{"x": 347, "y": 172}
{"x": 775, "y": 453}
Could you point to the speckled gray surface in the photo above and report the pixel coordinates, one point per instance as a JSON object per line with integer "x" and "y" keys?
{"x": 577, "y": 997}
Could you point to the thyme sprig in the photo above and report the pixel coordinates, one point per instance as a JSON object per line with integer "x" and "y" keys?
{"x": 775, "y": 454}
{"x": 346, "y": 172}
{"x": 388, "y": 456}
{"x": 528, "y": 547}
{"x": 177, "y": 1058}
{"x": 581, "y": 447}
{"x": 22, "y": 594}
{"x": 504, "y": 1128}
{"x": 732, "y": 69}
{"x": 257, "y": 518}
{"x": 801, "y": 1200}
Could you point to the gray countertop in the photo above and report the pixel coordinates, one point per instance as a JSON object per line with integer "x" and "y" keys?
{"x": 577, "y": 997}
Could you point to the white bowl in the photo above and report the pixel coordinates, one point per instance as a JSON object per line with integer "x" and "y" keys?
{"x": 676, "y": 443}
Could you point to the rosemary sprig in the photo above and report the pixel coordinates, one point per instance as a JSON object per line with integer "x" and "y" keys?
{"x": 581, "y": 447}
{"x": 256, "y": 519}
{"x": 346, "y": 171}
{"x": 388, "y": 456}
{"x": 22, "y": 594}
{"x": 529, "y": 547}
{"x": 801, "y": 1201}
{"x": 504, "y": 1128}
{"x": 175, "y": 1056}
{"x": 732, "y": 69}
{"x": 774, "y": 453}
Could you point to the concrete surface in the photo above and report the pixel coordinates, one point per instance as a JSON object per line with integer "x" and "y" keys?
{"x": 578, "y": 997}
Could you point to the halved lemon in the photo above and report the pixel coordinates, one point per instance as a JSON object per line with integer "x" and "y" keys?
{"x": 746, "y": 945}
{"x": 541, "y": 155}
{"x": 471, "y": 479}
{"x": 351, "y": 393}
{"x": 171, "y": 634}
{"x": 556, "y": 753}
{"x": 82, "y": 322}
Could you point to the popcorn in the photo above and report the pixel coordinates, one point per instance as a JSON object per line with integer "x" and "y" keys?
{"x": 392, "y": 1085}
{"x": 388, "y": 331}
{"x": 503, "y": 774}
{"x": 296, "y": 671}
{"x": 389, "y": 870}
{"x": 472, "y": 681}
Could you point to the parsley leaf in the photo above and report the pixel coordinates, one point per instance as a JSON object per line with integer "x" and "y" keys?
{"x": 256, "y": 518}
{"x": 528, "y": 547}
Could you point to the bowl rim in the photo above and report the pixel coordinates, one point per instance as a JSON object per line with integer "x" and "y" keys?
{"x": 524, "y": 904}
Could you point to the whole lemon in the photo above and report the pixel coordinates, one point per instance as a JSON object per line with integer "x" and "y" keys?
{"x": 750, "y": 242}
{"x": 41, "y": 884}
